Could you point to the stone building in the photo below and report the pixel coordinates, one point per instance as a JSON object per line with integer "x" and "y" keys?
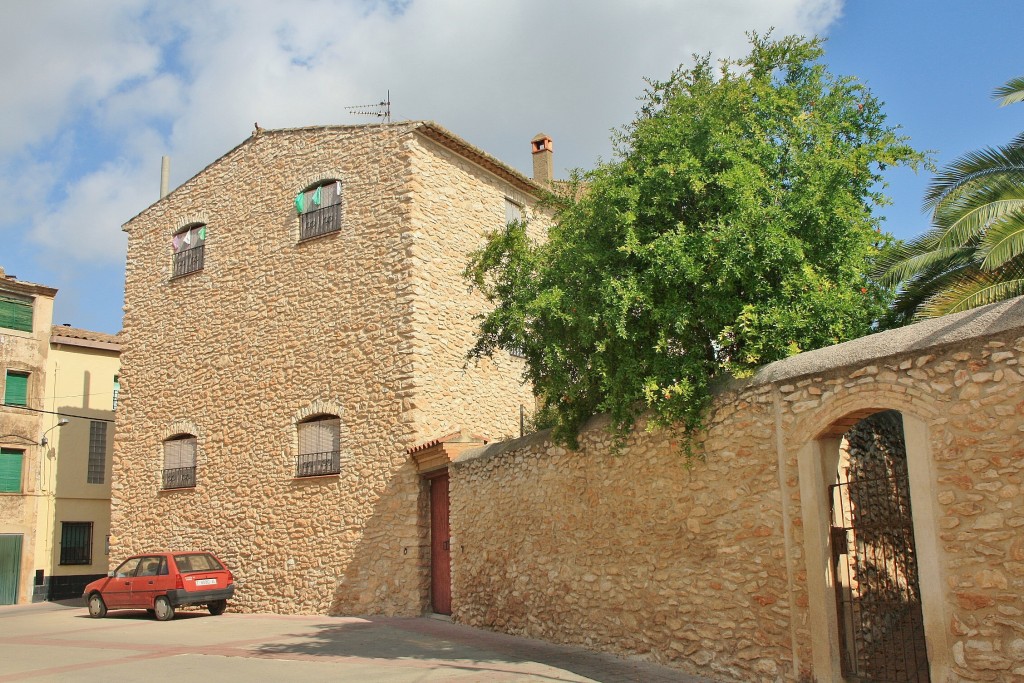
{"x": 295, "y": 320}
{"x": 56, "y": 435}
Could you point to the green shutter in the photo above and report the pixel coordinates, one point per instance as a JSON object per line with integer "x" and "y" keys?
{"x": 16, "y": 389}
{"x": 15, "y": 314}
{"x": 10, "y": 470}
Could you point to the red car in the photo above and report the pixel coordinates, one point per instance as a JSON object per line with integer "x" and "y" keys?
{"x": 159, "y": 582}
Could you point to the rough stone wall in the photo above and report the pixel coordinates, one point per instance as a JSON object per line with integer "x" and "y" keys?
{"x": 455, "y": 203}
{"x": 706, "y": 567}
{"x": 273, "y": 330}
{"x": 635, "y": 552}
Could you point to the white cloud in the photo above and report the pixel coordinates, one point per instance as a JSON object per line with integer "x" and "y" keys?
{"x": 58, "y": 59}
{"x": 96, "y": 92}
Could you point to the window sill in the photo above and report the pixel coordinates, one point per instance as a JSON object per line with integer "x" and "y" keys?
{"x": 314, "y": 477}
{"x": 313, "y": 238}
{"x": 178, "y": 488}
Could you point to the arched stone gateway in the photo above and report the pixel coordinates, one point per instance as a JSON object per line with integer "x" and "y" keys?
{"x": 872, "y": 549}
{"x": 874, "y": 569}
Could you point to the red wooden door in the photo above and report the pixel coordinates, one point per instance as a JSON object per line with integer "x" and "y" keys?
{"x": 440, "y": 547}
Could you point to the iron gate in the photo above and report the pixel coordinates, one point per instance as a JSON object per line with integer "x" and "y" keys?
{"x": 874, "y": 563}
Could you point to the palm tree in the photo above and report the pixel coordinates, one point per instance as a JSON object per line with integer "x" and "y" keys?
{"x": 974, "y": 252}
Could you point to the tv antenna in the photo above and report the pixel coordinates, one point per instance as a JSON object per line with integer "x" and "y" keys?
{"x": 381, "y": 110}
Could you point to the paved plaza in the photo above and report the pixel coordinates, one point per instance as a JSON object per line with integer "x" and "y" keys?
{"x": 58, "y": 642}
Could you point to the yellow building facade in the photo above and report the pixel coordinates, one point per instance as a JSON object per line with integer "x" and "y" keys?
{"x": 59, "y": 387}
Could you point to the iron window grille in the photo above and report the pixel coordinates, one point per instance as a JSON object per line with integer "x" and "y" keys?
{"x": 76, "y": 543}
{"x": 320, "y": 222}
{"x": 180, "y": 462}
{"x": 319, "y": 209}
{"x": 318, "y": 464}
{"x": 179, "y": 477}
{"x": 319, "y": 446}
{"x": 188, "y": 261}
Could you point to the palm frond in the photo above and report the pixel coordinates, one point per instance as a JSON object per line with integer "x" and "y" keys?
{"x": 971, "y": 223}
{"x": 934, "y": 263}
{"x": 914, "y": 292}
{"x": 1012, "y": 91}
{"x": 1003, "y": 241}
{"x": 990, "y": 165}
{"x": 984, "y": 288}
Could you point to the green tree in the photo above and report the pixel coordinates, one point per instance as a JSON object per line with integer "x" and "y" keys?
{"x": 972, "y": 254}
{"x": 734, "y": 227}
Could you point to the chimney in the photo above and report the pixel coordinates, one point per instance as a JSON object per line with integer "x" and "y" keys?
{"x": 165, "y": 175}
{"x": 543, "y": 159}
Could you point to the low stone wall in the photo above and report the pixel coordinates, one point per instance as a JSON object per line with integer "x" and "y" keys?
{"x": 714, "y": 566}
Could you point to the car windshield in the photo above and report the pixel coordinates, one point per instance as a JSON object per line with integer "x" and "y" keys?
{"x": 197, "y": 562}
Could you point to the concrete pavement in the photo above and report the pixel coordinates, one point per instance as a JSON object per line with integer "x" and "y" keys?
{"x": 59, "y": 642}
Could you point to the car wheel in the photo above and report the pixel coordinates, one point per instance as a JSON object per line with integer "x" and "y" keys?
{"x": 97, "y": 608}
{"x": 162, "y": 609}
{"x": 217, "y": 607}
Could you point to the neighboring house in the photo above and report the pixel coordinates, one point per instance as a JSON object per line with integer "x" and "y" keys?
{"x": 295, "y": 320}
{"x": 56, "y": 436}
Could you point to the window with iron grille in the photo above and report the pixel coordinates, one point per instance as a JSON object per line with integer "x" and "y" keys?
{"x": 319, "y": 446}
{"x": 319, "y": 209}
{"x": 76, "y": 543}
{"x": 15, "y": 313}
{"x": 16, "y": 388}
{"x": 10, "y": 470}
{"x": 97, "y": 452}
{"x": 188, "y": 245}
{"x": 180, "y": 462}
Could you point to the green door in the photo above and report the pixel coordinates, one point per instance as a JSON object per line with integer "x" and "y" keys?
{"x": 10, "y": 568}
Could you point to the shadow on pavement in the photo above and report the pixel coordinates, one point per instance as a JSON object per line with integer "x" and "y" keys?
{"x": 426, "y": 639}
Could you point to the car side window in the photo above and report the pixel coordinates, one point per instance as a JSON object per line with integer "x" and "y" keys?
{"x": 127, "y": 568}
{"x": 163, "y": 567}
{"x": 149, "y": 566}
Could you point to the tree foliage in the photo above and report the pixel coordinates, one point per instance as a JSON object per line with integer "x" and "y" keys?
{"x": 734, "y": 227}
{"x": 974, "y": 252}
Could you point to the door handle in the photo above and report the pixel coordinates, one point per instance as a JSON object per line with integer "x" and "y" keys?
{"x": 445, "y": 545}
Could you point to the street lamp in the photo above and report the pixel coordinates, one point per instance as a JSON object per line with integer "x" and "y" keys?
{"x": 60, "y": 423}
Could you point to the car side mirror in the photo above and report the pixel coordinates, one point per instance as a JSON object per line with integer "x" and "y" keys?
{"x": 110, "y": 574}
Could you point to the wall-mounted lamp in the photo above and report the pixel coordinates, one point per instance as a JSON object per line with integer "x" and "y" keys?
{"x": 60, "y": 423}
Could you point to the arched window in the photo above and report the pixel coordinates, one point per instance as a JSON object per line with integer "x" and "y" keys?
{"x": 180, "y": 462}
{"x": 319, "y": 209}
{"x": 319, "y": 446}
{"x": 188, "y": 245}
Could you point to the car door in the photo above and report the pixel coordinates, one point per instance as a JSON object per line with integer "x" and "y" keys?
{"x": 118, "y": 590}
{"x": 149, "y": 581}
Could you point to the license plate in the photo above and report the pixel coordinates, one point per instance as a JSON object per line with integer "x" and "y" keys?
{"x": 206, "y": 582}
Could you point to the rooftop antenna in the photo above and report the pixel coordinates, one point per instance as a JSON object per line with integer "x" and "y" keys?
{"x": 381, "y": 110}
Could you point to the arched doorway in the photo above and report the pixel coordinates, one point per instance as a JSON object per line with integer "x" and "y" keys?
{"x": 874, "y": 557}
{"x": 828, "y": 544}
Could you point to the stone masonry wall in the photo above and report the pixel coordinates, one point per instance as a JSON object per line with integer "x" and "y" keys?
{"x": 706, "y": 566}
{"x": 271, "y": 331}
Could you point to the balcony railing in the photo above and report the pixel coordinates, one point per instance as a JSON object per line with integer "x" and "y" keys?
{"x": 188, "y": 261}
{"x": 320, "y": 222}
{"x": 318, "y": 464}
{"x": 179, "y": 477}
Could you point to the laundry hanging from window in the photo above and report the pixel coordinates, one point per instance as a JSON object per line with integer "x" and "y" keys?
{"x": 189, "y": 238}
{"x": 318, "y": 197}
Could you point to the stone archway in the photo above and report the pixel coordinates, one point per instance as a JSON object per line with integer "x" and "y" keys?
{"x": 818, "y": 465}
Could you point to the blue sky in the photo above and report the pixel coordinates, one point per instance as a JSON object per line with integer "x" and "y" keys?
{"x": 96, "y": 93}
